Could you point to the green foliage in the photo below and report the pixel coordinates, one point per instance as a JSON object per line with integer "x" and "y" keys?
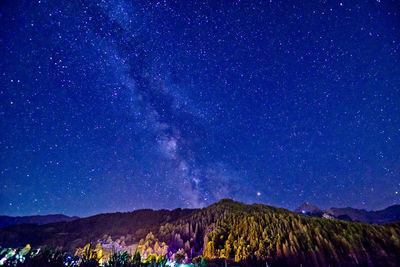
{"x": 228, "y": 231}
{"x": 87, "y": 257}
{"x": 162, "y": 260}
{"x": 152, "y": 258}
{"x": 45, "y": 257}
{"x": 197, "y": 260}
{"x": 200, "y": 261}
{"x": 120, "y": 260}
{"x": 204, "y": 262}
{"x": 259, "y": 233}
{"x": 136, "y": 258}
{"x": 90, "y": 256}
{"x": 151, "y": 245}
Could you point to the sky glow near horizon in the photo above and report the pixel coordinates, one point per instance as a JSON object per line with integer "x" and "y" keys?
{"x": 121, "y": 105}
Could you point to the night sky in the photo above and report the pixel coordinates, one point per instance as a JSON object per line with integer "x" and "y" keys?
{"x": 121, "y": 105}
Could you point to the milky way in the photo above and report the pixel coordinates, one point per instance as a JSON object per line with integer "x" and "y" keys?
{"x": 121, "y": 105}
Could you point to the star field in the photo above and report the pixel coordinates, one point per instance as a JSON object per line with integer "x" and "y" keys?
{"x": 121, "y": 105}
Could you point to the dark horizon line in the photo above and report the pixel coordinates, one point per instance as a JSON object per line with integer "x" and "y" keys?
{"x": 171, "y": 209}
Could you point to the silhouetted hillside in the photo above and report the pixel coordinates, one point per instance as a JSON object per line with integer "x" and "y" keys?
{"x": 390, "y": 214}
{"x": 308, "y": 208}
{"x": 227, "y": 230}
{"x": 77, "y": 233}
{"x": 37, "y": 219}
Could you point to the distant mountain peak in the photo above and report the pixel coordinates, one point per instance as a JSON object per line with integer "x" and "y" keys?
{"x": 202, "y": 232}
{"x": 35, "y": 219}
{"x": 307, "y": 208}
{"x": 390, "y": 214}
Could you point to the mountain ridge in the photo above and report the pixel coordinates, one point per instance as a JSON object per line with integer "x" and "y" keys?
{"x": 226, "y": 230}
{"x": 34, "y": 219}
{"x": 386, "y": 215}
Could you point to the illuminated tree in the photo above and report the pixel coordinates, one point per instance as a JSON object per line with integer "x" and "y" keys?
{"x": 152, "y": 259}
{"x": 136, "y": 259}
{"x": 90, "y": 256}
{"x": 161, "y": 260}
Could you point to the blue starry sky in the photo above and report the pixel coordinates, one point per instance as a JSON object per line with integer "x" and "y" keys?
{"x": 120, "y": 105}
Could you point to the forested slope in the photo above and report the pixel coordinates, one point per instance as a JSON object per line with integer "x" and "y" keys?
{"x": 227, "y": 230}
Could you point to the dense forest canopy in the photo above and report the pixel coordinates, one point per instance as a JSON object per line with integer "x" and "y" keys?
{"x": 225, "y": 231}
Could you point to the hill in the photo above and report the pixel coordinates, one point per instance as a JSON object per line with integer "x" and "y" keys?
{"x": 227, "y": 230}
{"x": 308, "y": 208}
{"x": 37, "y": 219}
{"x": 390, "y": 214}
